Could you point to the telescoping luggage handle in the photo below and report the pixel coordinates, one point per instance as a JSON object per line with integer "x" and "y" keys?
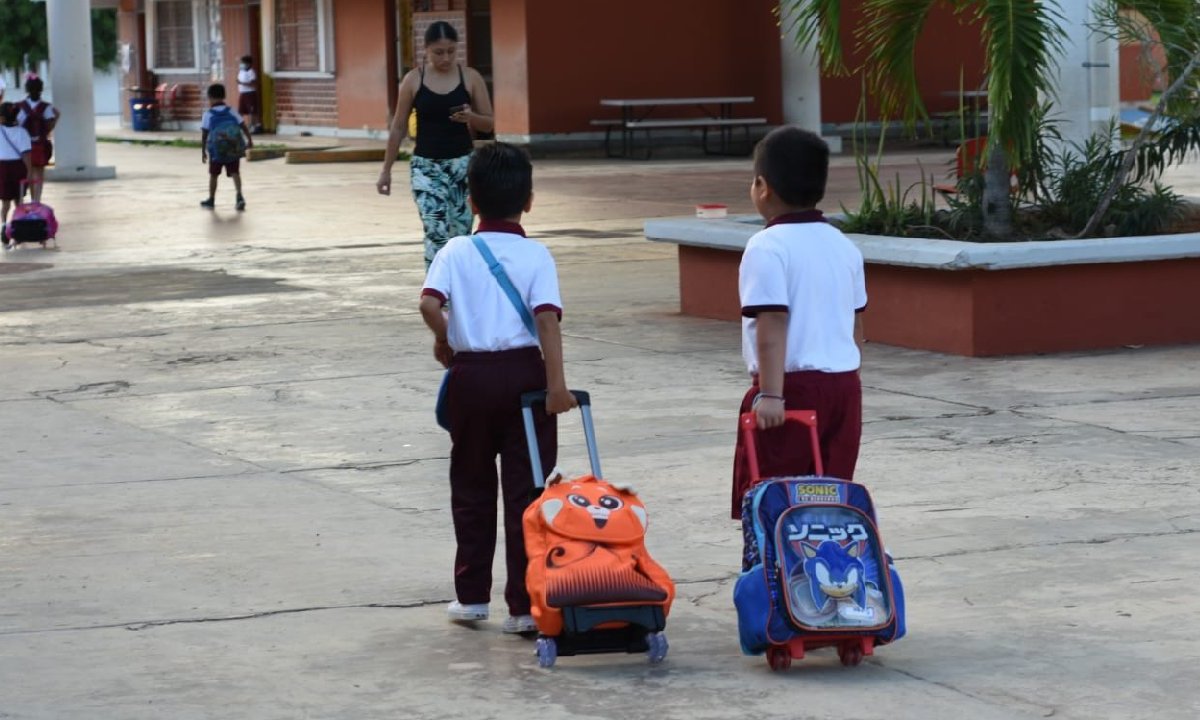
{"x": 538, "y": 397}
{"x": 807, "y": 418}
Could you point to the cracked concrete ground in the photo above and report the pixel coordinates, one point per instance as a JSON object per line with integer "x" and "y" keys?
{"x": 222, "y": 494}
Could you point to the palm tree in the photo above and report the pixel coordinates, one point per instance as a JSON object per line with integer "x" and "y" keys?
{"x": 1022, "y": 39}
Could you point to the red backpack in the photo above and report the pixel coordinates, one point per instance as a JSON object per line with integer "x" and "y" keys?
{"x": 36, "y": 124}
{"x": 35, "y": 118}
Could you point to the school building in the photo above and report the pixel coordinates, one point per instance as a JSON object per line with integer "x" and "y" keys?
{"x": 333, "y": 67}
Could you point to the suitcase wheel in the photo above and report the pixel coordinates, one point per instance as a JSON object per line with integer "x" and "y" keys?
{"x": 547, "y": 651}
{"x": 779, "y": 657}
{"x": 852, "y": 652}
{"x": 657, "y": 647}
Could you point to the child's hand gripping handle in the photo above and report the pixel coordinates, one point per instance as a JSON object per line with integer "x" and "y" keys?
{"x": 750, "y": 433}
{"x": 538, "y": 397}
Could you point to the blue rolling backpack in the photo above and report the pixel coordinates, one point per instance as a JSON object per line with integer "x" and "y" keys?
{"x": 814, "y": 571}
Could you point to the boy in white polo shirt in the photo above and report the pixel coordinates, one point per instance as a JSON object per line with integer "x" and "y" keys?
{"x": 802, "y": 286}
{"x": 493, "y": 359}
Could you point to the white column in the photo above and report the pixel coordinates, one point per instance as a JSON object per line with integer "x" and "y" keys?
{"x": 1088, "y": 92}
{"x": 802, "y": 87}
{"x": 70, "y": 34}
{"x": 216, "y": 43}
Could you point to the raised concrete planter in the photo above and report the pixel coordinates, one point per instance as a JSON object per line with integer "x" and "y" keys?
{"x": 979, "y": 298}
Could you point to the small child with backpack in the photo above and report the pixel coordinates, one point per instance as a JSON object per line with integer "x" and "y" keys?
{"x": 224, "y": 139}
{"x": 38, "y": 117}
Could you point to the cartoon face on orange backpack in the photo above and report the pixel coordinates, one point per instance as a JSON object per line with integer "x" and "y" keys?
{"x": 587, "y": 510}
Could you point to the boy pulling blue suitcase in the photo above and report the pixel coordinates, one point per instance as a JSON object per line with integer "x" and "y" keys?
{"x": 814, "y": 573}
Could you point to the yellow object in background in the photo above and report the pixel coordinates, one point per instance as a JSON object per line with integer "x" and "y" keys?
{"x": 412, "y": 124}
{"x": 266, "y": 101}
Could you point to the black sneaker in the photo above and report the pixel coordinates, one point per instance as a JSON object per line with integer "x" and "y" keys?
{"x": 208, "y": 204}
{"x": 241, "y": 203}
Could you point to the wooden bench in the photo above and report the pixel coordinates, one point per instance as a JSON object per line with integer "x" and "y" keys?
{"x": 716, "y": 114}
{"x": 724, "y": 125}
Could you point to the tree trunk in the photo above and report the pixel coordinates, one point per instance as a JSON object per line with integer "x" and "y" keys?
{"x": 997, "y": 203}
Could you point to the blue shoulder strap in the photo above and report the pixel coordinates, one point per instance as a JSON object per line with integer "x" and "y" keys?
{"x": 505, "y": 284}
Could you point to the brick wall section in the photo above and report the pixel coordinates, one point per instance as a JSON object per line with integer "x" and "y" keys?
{"x": 192, "y": 101}
{"x": 306, "y": 102}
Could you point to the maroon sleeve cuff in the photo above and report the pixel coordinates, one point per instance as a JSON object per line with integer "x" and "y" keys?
{"x": 430, "y": 292}
{"x": 548, "y": 307}
{"x": 753, "y": 310}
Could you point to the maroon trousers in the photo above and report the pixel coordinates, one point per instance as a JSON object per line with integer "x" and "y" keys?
{"x": 787, "y": 450}
{"x": 483, "y": 407}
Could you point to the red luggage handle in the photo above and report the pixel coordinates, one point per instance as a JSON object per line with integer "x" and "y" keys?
{"x": 749, "y": 423}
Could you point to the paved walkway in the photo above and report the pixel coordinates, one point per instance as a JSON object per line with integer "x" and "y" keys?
{"x": 222, "y": 494}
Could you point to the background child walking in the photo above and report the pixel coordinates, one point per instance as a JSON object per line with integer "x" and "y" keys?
{"x": 802, "y": 286}
{"x": 494, "y": 358}
{"x": 38, "y": 117}
{"x": 15, "y": 165}
{"x": 248, "y": 95}
{"x": 224, "y": 139}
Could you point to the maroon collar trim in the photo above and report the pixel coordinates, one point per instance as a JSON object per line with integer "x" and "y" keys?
{"x": 804, "y": 216}
{"x": 501, "y": 226}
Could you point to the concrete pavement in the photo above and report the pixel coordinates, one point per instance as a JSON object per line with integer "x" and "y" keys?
{"x": 222, "y": 494}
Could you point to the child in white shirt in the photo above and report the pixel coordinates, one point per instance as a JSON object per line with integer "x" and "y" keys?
{"x": 493, "y": 358}
{"x": 248, "y": 103}
{"x": 15, "y": 165}
{"x": 802, "y": 286}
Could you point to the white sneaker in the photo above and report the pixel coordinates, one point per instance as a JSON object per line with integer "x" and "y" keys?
{"x": 519, "y": 624}
{"x": 466, "y": 613}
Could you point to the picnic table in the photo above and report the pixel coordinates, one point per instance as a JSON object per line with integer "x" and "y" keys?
{"x": 716, "y": 113}
{"x": 970, "y": 112}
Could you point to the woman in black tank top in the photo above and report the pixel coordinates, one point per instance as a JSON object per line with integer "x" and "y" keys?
{"x": 451, "y": 103}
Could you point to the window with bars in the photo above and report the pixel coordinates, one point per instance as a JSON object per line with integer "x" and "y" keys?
{"x": 174, "y": 34}
{"x": 298, "y": 35}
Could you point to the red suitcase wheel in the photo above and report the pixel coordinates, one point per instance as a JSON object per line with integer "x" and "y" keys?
{"x": 779, "y": 657}
{"x": 851, "y": 653}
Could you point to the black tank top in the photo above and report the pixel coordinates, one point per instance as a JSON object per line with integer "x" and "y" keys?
{"x": 439, "y": 137}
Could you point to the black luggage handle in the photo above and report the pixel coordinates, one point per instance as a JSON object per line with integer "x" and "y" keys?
{"x": 538, "y": 397}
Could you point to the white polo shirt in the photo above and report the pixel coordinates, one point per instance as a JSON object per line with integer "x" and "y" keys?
{"x": 481, "y": 317}
{"x": 14, "y": 142}
{"x": 803, "y": 265}
{"x": 244, "y": 78}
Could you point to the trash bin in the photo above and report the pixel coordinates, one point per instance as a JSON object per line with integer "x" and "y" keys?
{"x": 141, "y": 110}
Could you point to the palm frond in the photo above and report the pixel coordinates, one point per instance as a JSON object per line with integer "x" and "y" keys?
{"x": 1022, "y": 41}
{"x": 888, "y": 40}
{"x": 816, "y": 23}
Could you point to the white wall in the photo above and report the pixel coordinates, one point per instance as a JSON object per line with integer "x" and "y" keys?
{"x": 106, "y": 88}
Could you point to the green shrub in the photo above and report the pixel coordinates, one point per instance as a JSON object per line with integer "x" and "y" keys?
{"x": 1076, "y": 178}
